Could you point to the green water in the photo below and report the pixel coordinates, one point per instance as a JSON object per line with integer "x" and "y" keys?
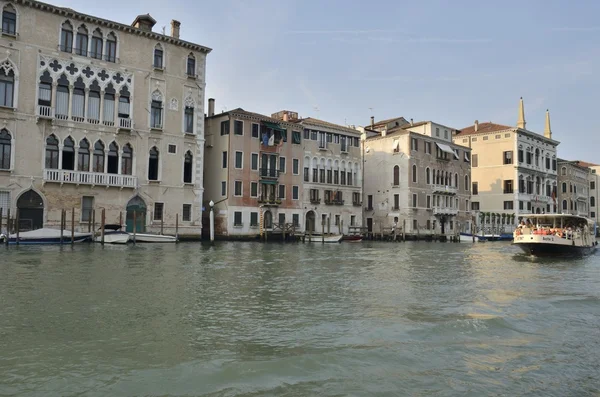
{"x": 251, "y": 319}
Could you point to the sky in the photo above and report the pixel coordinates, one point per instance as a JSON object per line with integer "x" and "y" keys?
{"x": 451, "y": 62}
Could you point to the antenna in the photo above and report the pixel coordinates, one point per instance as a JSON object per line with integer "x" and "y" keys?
{"x": 164, "y": 30}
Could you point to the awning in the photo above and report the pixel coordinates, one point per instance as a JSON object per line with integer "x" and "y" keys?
{"x": 268, "y": 182}
{"x": 445, "y": 148}
{"x": 273, "y": 126}
{"x": 396, "y": 145}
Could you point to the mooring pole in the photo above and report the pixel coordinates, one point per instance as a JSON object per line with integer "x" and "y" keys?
{"x": 62, "y": 225}
{"x": 72, "y": 226}
{"x": 18, "y": 222}
{"x": 7, "y": 225}
{"x": 177, "y": 228}
{"x": 102, "y": 226}
{"x": 134, "y": 225}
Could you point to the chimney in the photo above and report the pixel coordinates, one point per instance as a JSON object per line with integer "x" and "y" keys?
{"x": 476, "y": 125}
{"x": 547, "y": 129}
{"x": 372, "y": 122}
{"x": 412, "y": 122}
{"x": 384, "y": 132}
{"x": 144, "y": 22}
{"x": 211, "y": 107}
{"x": 175, "y": 25}
{"x": 286, "y": 116}
{"x": 521, "y": 122}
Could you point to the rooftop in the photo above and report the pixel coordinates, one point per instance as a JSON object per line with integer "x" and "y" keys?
{"x": 482, "y": 128}
{"x": 313, "y": 121}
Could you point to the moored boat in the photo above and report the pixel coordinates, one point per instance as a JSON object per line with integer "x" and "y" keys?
{"x": 113, "y": 235}
{"x": 556, "y": 234}
{"x": 48, "y": 236}
{"x": 352, "y": 239}
{"x": 328, "y": 238}
{"x": 152, "y": 238}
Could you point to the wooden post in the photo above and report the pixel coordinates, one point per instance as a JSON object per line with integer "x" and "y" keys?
{"x": 62, "y": 225}
{"x": 102, "y": 225}
{"x": 18, "y": 222}
{"x": 89, "y": 221}
{"x": 283, "y": 231}
{"x": 94, "y": 221}
{"x": 403, "y": 230}
{"x": 473, "y": 228}
{"x": 322, "y": 231}
{"x": 342, "y": 227}
{"x": 162, "y": 222}
{"x": 134, "y": 225}
{"x": 177, "y": 228}
{"x": 1, "y": 221}
{"x": 7, "y": 225}
{"x": 72, "y": 226}
{"x": 120, "y": 219}
{"x": 328, "y": 225}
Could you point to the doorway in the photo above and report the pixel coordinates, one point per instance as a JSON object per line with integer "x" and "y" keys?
{"x": 31, "y": 211}
{"x": 138, "y": 206}
{"x": 310, "y": 222}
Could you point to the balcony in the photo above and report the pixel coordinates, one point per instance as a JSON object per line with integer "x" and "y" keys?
{"x": 443, "y": 189}
{"x": 90, "y": 178}
{"x": 338, "y": 202}
{"x": 322, "y": 145}
{"x": 357, "y": 203}
{"x": 315, "y": 200}
{"x": 125, "y": 123}
{"x": 45, "y": 112}
{"x": 269, "y": 201}
{"x": 444, "y": 211}
{"x": 370, "y": 208}
{"x": 267, "y": 173}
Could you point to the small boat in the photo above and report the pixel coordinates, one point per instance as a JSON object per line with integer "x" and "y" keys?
{"x": 113, "y": 235}
{"x": 353, "y": 238}
{"x": 152, "y": 238}
{"x": 47, "y": 236}
{"x": 468, "y": 237}
{"x": 328, "y": 238}
{"x": 556, "y": 234}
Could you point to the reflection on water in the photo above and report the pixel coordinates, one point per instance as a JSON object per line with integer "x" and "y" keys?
{"x": 297, "y": 320}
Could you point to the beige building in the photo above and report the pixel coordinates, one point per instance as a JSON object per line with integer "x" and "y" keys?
{"x": 594, "y": 189}
{"x": 96, "y": 114}
{"x": 417, "y": 177}
{"x": 573, "y": 191}
{"x": 514, "y": 170}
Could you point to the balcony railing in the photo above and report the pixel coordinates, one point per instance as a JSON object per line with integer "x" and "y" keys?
{"x": 437, "y": 188}
{"x": 323, "y": 145}
{"x": 124, "y": 123}
{"x": 48, "y": 112}
{"x": 445, "y": 211}
{"x": 90, "y": 178}
{"x": 357, "y": 203}
{"x": 269, "y": 173}
{"x": 45, "y": 112}
{"x": 269, "y": 201}
{"x": 315, "y": 200}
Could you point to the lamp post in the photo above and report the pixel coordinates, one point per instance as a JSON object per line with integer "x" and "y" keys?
{"x": 212, "y": 222}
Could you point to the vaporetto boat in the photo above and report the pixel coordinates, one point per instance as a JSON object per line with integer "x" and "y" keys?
{"x": 556, "y": 234}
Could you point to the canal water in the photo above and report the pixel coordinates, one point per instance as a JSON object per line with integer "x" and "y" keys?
{"x": 251, "y": 319}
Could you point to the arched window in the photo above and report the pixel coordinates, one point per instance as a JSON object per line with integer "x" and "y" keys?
{"x": 81, "y": 41}
{"x": 5, "y": 149}
{"x": 68, "y": 154}
{"x": 396, "y": 175}
{"x": 66, "y": 37}
{"x": 189, "y": 118}
{"x": 127, "y": 160}
{"x": 77, "y": 110}
{"x": 9, "y": 20}
{"x": 124, "y": 104}
{"x": 428, "y": 176}
{"x": 537, "y": 185}
{"x": 83, "y": 155}
{"x": 156, "y": 108}
{"x": 97, "y": 43}
{"x": 108, "y": 116}
{"x": 153, "y": 164}
{"x": 112, "y": 163}
{"x": 62, "y": 98}
{"x": 158, "y": 57}
{"x": 564, "y": 187}
{"x": 111, "y": 47}
{"x": 7, "y": 85}
{"x": 414, "y": 173}
{"x": 592, "y": 201}
{"x": 191, "y": 66}
{"x": 563, "y": 171}
{"x": 45, "y": 94}
{"x": 564, "y": 206}
{"x": 52, "y": 152}
{"x": 537, "y": 157}
{"x": 98, "y": 164}
{"x": 187, "y": 167}
{"x": 446, "y": 179}
{"x": 93, "y": 112}
{"x": 467, "y": 183}
{"x": 456, "y": 180}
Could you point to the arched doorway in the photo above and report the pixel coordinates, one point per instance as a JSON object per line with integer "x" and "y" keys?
{"x": 137, "y": 205}
{"x": 31, "y": 211}
{"x": 268, "y": 220}
{"x": 310, "y": 222}
{"x": 538, "y": 211}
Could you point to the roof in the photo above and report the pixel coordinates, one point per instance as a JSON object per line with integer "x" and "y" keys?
{"x": 142, "y": 17}
{"x": 586, "y": 164}
{"x": 259, "y": 116}
{"x": 382, "y": 122}
{"x": 70, "y": 13}
{"x": 322, "y": 123}
{"x": 418, "y": 124}
{"x": 482, "y": 128}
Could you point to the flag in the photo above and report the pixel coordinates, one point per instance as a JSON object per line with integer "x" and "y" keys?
{"x": 272, "y": 140}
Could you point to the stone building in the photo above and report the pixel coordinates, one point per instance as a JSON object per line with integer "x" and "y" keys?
{"x": 573, "y": 191}
{"x": 96, "y": 114}
{"x": 416, "y": 177}
{"x": 514, "y": 170}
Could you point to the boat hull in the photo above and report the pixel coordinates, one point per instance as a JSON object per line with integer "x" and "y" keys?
{"x": 114, "y": 238}
{"x": 152, "y": 238}
{"x": 326, "y": 239}
{"x": 49, "y": 237}
{"x": 541, "y": 249}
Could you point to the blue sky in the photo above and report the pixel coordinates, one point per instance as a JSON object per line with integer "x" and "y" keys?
{"x": 343, "y": 61}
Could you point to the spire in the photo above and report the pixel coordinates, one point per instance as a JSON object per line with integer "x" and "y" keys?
{"x": 547, "y": 130}
{"x": 521, "y": 123}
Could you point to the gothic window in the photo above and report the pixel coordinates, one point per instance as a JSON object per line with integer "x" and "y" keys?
{"x": 9, "y": 20}
{"x": 188, "y": 167}
{"x": 592, "y": 201}
{"x": 81, "y": 41}
{"x": 78, "y": 107}
{"x": 127, "y": 160}
{"x": 396, "y": 175}
{"x": 111, "y": 48}
{"x": 158, "y": 57}
{"x": 112, "y": 163}
{"x": 414, "y": 173}
{"x": 45, "y": 90}
{"x": 52, "y": 152}
{"x": 191, "y": 66}
{"x": 153, "y": 164}
{"x": 428, "y": 175}
{"x": 467, "y": 183}
{"x": 68, "y": 154}
{"x": 537, "y": 157}
{"x": 7, "y": 85}
{"x": 5, "y": 149}
{"x": 62, "y": 98}
{"x": 564, "y": 205}
{"x": 97, "y": 41}
{"x": 564, "y": 187}
{"x": 98, "y": 164}
{"x": 456, "y": 180}
{"x": 109, "y": 106}
{"x": 124, "y": 103}
{"x": 66, "y": 37}
{"x": 156, "y": 110}
{"x": 83, "y": 155}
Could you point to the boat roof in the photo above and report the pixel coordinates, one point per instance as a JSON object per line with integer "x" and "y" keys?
{"x": 573, "y": 218}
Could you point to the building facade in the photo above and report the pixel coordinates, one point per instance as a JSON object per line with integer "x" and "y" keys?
{"x": 514, "y": 170}
{"x": 573, "y": 188}
{"x": 417, "y": 178}
{"x": 96, "y": 115}
{"x": 253, "y": 172}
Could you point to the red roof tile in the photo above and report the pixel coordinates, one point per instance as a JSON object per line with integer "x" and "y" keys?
{"x": 483, "y": 128}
